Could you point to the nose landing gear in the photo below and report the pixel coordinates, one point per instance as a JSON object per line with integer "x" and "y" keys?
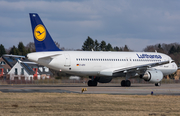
{"x": 158, "y": 84}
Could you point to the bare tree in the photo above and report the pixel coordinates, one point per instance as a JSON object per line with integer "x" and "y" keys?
{"x": 57, "y": 44}
{"x": 30, "y": 47}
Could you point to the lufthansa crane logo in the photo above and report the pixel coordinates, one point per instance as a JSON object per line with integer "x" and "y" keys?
{"x": 40, "y": 32}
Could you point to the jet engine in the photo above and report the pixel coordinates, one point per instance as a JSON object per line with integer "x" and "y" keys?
{"x": 154, "y": 76}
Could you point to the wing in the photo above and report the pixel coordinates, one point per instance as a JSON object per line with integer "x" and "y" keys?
{"x": 133, "y": 69}
{"x": 16, "y": 56}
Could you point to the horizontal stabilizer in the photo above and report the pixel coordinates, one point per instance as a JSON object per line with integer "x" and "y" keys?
{"x": 49, "y": 56}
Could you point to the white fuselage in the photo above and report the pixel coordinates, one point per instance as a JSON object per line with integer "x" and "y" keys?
{"x": 96, "y": 63}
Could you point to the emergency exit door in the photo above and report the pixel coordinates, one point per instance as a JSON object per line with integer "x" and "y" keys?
{"x": 67, "y": 60}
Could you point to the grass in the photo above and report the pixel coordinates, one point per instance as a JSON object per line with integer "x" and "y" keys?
{"x": 44, "y": 104}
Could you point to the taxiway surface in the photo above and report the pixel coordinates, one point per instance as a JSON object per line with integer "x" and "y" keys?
{"x": 135, "y": 89}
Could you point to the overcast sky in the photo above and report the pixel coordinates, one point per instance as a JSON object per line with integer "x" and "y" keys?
{"x": 136, "y": 23}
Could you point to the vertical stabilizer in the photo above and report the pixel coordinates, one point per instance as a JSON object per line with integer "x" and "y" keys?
{"x": 42, "y": 38}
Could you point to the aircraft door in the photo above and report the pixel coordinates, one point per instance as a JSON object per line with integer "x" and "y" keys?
{"x": 67, "y": 60}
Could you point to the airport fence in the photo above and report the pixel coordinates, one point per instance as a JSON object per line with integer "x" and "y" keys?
{"x": 64, "y": 81}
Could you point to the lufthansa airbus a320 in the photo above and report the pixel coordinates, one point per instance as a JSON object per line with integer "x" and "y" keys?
{"x": 100, "y": 66}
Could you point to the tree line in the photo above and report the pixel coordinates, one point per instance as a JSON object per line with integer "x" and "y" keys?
{"x": 90, "y": 45}
{"x": 20, "y": 50}
{"x": 172, "y": 49}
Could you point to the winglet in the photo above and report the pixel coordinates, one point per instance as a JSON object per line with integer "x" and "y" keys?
{"x": 42, "y": 39}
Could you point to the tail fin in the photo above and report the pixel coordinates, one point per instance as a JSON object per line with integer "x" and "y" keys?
{"x": 42, "y": 39}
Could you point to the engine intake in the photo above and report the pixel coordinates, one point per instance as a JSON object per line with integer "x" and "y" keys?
{"x": 154, "y": 76}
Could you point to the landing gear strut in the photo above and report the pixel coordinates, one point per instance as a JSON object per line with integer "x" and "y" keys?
{"x": 125, "y": 83}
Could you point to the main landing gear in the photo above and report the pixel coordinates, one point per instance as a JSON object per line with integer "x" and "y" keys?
{"x": 125, "y": 83}
{"x": 92, "y": 83}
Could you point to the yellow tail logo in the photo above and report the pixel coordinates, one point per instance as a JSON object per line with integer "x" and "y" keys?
{"x": 40, "y": 32}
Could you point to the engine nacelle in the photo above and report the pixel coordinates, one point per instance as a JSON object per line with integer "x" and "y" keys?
{"x": 154, "y": 76}
{"x": 104, "y": 79}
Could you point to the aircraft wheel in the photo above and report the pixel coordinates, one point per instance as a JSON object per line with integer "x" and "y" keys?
{"x": 128, "y": 83}
{"x": 157, "y": 84}
{"x": 92, "y": 83}
{"x": 123, "y": 83}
